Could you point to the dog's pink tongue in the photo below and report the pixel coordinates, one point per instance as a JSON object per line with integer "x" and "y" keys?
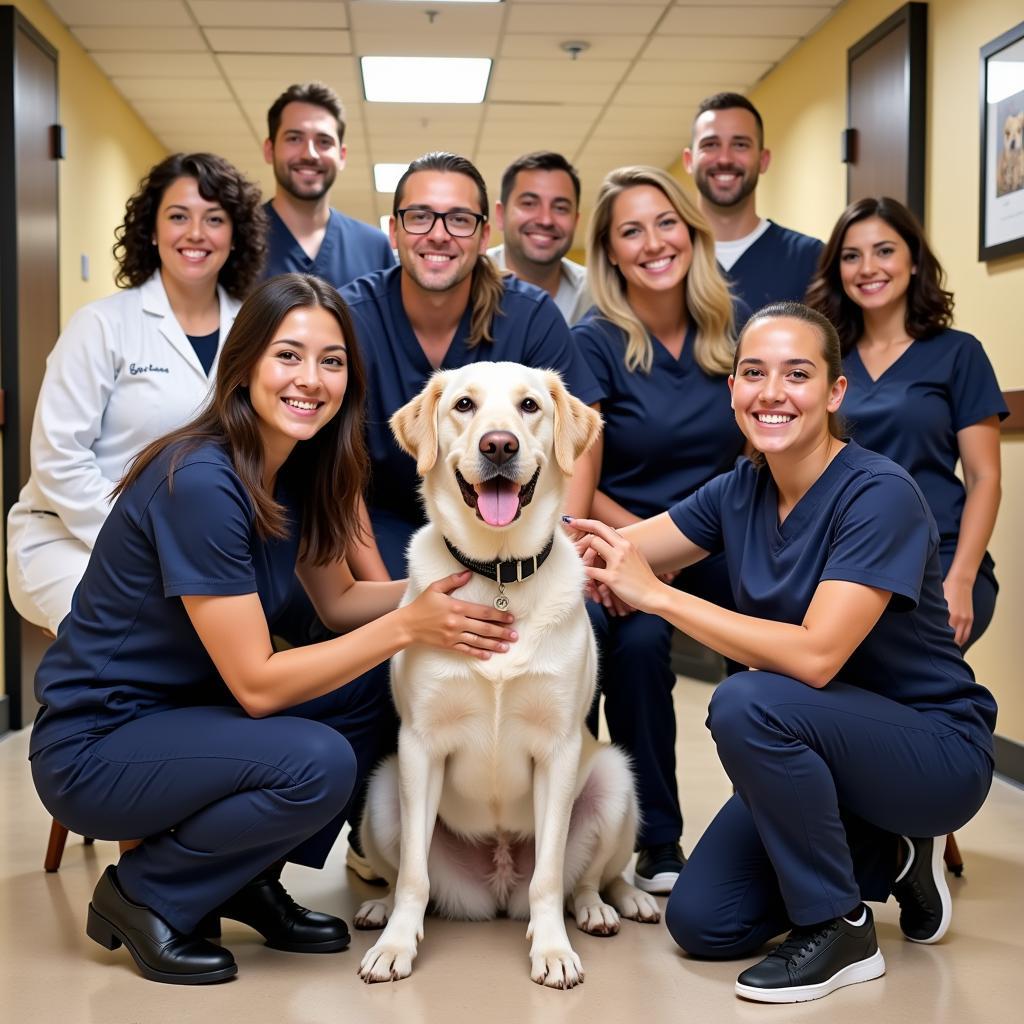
{"x": 497, "y": 501}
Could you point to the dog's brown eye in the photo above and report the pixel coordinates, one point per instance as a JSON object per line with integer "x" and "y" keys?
{"x": 529, "y": 405}
{"x": 464, "y": 404}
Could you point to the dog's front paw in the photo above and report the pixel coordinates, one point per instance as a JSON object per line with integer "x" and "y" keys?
{"x": 372, "y": 914}
{"x": 596, "y": 918}
{"x": 559, "y": 968}
{"x": 387, "y": 961}
{"x": 632, "y": 903}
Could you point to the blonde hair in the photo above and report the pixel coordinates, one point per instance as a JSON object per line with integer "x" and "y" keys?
{"x": 708, "y": 302}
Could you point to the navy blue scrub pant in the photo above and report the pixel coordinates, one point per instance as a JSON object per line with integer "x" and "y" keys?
{"x": 218, "y": 796}
{"x": 825, "y": 781}
{"x": 635, "y": 675}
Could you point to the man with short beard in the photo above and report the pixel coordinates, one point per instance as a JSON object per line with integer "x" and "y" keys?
{"x": 306, "y": 126}
{"x": 538, "y": 213}
{"x": 762, "y": 261}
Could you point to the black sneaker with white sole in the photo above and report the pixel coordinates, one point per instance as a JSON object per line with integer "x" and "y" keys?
{"x": 921, "y": 891}
{"x": 815, "y": 961}
{"x": 658, "y": 867}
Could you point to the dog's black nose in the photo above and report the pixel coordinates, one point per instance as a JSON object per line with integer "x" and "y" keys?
{"x": 498, "y": 446}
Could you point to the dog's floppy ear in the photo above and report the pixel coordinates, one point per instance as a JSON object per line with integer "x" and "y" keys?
{"x": 415, "y": 424}
{"x": 576, "y": 424}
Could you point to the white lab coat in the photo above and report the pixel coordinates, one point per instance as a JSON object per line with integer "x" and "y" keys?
{"x": 121, "y": 374}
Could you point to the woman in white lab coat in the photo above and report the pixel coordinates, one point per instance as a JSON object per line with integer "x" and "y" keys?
{"x": 131, "y": 367}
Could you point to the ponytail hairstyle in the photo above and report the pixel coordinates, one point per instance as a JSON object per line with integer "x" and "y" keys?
{"x": 327, "y": 473}
{"x": 830, "y": 349}
{"x": 487, "y": 287}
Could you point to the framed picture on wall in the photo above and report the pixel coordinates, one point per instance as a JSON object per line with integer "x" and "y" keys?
{"x": 1001, "y": 226}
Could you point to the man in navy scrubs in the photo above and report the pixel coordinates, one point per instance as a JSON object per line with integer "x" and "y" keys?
{"x": 538, "y": 212}
{"x": 444, "y": 306}
{"x": 306, "y": 126}
{"x": 762, "y": 261}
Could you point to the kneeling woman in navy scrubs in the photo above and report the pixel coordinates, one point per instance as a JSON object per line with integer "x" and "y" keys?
{"x": 862, "y": 721}
{"x": 162, "y": 697}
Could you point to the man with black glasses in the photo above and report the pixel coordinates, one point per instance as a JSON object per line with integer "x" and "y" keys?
{"x": 443, "y": 306}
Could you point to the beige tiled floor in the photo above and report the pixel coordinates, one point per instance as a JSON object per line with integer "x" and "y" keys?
{"x": 50, "y": 972}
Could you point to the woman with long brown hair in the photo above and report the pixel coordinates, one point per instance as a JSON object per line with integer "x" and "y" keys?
{"x": 166, "y": 712}
{"x": 920, "y": 391}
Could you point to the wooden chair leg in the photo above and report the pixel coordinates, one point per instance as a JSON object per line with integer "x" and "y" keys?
{"x": 125, "y": 845}
{"x": 952, "y": 857}
{"x": 55, "y": 847}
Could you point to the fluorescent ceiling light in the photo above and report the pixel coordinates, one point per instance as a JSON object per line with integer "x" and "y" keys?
{"x": 385, "y": 176}
{"x": 425, "y": 79}
{"x": 385, "y": 223}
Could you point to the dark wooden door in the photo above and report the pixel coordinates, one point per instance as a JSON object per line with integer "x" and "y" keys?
{"x": 886, "y": 110}
{"x": 29, "y": 288}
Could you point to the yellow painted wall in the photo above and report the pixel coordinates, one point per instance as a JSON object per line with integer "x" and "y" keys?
{"x": 803, "y": 102}
{"x": 108, "y": 150}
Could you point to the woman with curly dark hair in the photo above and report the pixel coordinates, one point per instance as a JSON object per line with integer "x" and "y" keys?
{"x": 132, "y": 366}
{"x": 919, "y": 391}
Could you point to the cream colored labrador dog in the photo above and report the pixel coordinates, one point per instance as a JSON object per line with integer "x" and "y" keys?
{"x": 500, "y": 800}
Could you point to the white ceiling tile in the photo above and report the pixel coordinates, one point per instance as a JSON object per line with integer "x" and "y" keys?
{"x": 529, "y": 113}
{"x": 757, "y": 3}
{"x": 581, "y": 21}
{"x": 252, "y": 90}
{"x": 124, "y": 13}
{"x": 409, "y": 19}
{"x": 140, "y": 40}
{"x": 403, "y": 149}
{"x": 382, "y": 116}
{"x": 279, "y": 40}
{"x": 181, "y": 88}
{"x": 385, "y": 44}
{"x": 166, "y": 65}
{"x": 293, "y": 14}
{"x": 538, "y": 45}
{"x": 288, "y": 68}
{"x": 671, "y": 96}
{"x": 567, "y": 72}
{"x": 677, "y": 48}
{"x": 684, "y": 72}
{"x": 519, "y": 91}
{"x": 755, "y": 20}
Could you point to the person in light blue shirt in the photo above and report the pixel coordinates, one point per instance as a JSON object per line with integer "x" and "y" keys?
{"x": 919, "y": 391}
{"x": 305, "y": 146}
{"x": 859, "y": 733}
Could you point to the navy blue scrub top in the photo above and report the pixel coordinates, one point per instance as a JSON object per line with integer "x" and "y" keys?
{"x": 349, "y": 249}
{"x": 127, "y": 648}
{"x": 864, "y": 520}
{"x": 778, "y": 267}
{"x": 528, "y": 329}
{"x": 913, "y": 411}
{"x": 665, "y": 432}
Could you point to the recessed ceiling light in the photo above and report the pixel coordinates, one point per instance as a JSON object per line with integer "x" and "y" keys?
{"x": 385, "y": 176}
{"x": 425, "y": 79}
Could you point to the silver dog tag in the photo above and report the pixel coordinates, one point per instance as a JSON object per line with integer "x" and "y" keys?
{"x": 501, "y": 602}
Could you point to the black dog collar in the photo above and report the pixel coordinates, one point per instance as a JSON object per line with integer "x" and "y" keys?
{"x": 511, "y": 571}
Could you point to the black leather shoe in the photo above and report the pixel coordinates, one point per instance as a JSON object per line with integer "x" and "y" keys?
{"x": 921, "y": 891}
{"x": 264, "y": 904}
{"x": 815, "y": 961}
{"x": 160, "y": 952}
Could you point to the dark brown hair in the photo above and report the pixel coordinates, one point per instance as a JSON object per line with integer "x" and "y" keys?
{"x": 487, "y": 288}
{"x": 218, "y": 182}
{"x": 929, "y": 305}
{"x": 732, "y": 101}
{"x": 315, "y": 93}
{"x": 830, "y": 349}
{"x": 327, "y": 473}
{"x": 542, "y": 160}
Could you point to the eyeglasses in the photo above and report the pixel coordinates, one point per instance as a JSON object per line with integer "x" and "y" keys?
{"x": 458, "y": 223}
